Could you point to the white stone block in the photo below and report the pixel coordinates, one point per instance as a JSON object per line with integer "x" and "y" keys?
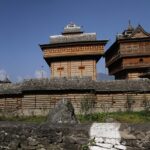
{"x": 112, "y": 141}
{"x": 97, "y": 148}
{"x": 105, "y": 130}
{"x": 120, "y": 147}
{"x": 99, "y": 140}
{"x": 103, "y": 145}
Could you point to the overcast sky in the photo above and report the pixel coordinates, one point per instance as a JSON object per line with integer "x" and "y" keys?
{"x": 27, "y": 23}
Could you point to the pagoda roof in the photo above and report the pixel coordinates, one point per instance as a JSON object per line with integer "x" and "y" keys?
{"x": 67, "y": 38}
{"x": 72, "y": 28}
{"x": 139, "y": 29}
{"x": 131, "y": 34}
{"x": 71, "y": 34}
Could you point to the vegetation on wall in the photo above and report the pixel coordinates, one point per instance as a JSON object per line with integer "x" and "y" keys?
{"x": 87, "y": 105}
{"x": 146, "y": 103}
{"x": 129, "y": 103}
{"x": 123, "y": 117}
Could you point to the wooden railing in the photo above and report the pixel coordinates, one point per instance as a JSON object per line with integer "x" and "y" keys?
{"x": 119, "y": 55}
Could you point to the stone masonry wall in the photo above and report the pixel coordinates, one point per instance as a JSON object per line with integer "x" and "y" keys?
{"x": 97, "y": 136}
{"x": 36, "y": 97}
{"x": 40, "y": 104}
{"x": 36, "y": 104}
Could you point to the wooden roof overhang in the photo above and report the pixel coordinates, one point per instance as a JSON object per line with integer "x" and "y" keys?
{"x": 11, "y": 95}
{"x": 145, "y": 75}
{"x": 97, "y": 42}
{"x": 128, "y": 40}
{"x": 76, "y": 55}
{"x": 83, "y": 91}
{"x": 127, "y": 68}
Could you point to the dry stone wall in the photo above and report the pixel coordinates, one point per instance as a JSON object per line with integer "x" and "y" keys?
{"x": 97, "y": 136}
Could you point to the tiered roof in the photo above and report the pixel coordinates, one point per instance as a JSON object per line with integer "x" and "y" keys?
{"x": 132, "y": 33}
{"x": 72, "y": 33}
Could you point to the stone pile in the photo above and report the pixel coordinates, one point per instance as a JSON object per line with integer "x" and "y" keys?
{"x": 98, "y": 136}
{"x": 17, "y": 136}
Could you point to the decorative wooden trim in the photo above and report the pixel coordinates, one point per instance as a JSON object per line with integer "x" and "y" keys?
{"x": 74, "y": 51}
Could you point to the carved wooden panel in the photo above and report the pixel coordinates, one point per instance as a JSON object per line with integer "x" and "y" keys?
{"x": 76, "y": 50}
{"x": 135, "y": 48}
{"x": 138, "y": 61}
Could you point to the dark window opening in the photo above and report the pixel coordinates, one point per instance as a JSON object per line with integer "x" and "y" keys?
{"x": 81, "y": 67}
{"x": 60, "y": 68}
{"x": 141, "y": 60}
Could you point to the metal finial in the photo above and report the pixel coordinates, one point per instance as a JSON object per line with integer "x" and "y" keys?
{"x": 130, "y": 26}
{"x": 129, "y": 22}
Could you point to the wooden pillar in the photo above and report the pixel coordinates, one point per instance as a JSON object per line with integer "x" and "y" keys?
{"x": 35, "y": 102}
{"x": 69, "y": 69}
{"x": 5, "y": 104}
{"x": 81, "y": 70}
{"x": 52, "y": 70}
{"x": 94, "y": 70}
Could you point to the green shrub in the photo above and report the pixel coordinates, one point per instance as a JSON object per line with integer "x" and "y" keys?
{"x": 123, "y": 117}
{"x": 87, "y": 105}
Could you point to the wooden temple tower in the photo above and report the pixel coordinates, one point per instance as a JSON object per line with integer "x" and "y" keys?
{"x": 129, "y": 55}
{"x": 73, "y": 53}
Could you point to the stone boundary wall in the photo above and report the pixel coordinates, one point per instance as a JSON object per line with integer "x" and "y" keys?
{"x": 39, "y": 104}
{"x": 96, "y": 136}
{"x": 36, "y": 97}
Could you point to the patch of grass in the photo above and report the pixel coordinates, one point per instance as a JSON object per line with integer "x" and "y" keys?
{"x": 123, "y": 117}
{"x": 30, "y": 119}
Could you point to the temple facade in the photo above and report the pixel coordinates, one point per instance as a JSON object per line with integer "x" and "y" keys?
{"x": 129, "y": 56}
{"x": 73, "y": 53}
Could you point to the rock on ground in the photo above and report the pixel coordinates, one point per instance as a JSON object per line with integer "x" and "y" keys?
{"x": 62, "y": 113}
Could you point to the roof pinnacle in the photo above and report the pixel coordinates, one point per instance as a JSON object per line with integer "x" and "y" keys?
{"x": 130, "y": 26}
